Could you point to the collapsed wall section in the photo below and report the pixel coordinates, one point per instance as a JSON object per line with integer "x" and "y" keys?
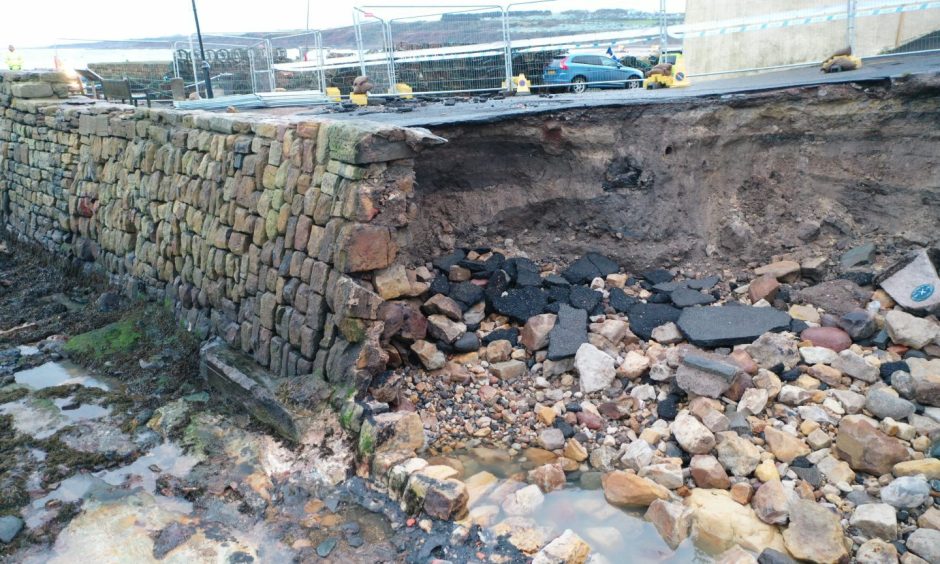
{"x": 723, "y": 180}
{"x": 265, "y": 232}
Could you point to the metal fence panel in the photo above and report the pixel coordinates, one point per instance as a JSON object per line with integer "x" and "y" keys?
{"x": 450, "y": 50}
{"x": 546, "y": 31}
{"x": 301, "y": 47}
{"x": 374, "y": 50}
{"x": 238, "y": 64}
{"x": 883, "y": 28}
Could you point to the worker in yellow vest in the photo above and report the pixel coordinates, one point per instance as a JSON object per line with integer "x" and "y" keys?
{"x": 13, "y": 59}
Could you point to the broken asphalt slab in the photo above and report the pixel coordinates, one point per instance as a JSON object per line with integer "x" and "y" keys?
{"x": 722, "y": 326}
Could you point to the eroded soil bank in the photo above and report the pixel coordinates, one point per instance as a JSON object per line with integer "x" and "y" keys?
{"x": 721, "y": 180}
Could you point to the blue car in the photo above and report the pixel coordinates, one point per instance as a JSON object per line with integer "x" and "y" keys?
{"x": 577, "y": 71}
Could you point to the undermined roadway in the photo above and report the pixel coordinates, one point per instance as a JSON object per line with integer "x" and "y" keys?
{"x": 647, "y": 332}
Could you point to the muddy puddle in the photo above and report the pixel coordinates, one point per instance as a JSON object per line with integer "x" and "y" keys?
{"x": 58, "y": 373}
{"x": 184, "y": 484}
{"x": 614, "y": 534}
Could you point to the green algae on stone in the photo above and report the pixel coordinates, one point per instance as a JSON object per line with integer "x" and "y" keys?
{"x": 113, "y": 338}
{"x": 12, "y": 393}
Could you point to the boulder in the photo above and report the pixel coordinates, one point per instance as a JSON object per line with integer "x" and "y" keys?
{"x": 667, "y": 334}
{"x": 906, "y": 492}
{"x": 435, "y": 490}
{"x": 929, "y": 467}
{"x": 429, "y": 355}
{"x": 523, "y": 533}
{"x": 876, "y": 551}
{"x": 831, "y": 338}
{"x": 534, "y": 335}
{"x": 568, "y": 548}
{"x": 859, "y": 324}
{"x": 837, "y": 297}
{"x": 771, "y": 502}
{"x": 784, "y": 270}
{"x": 445, "y": 329}
{"x": 548, "y": 477}
{"x": 818, "y": 355}
{"x": 785, "y": 446}
{"x": 815, "y": 533}
{"x": 667, "y": 474}
{"x": 708, "y": 472}
{"x": 551, "y": 439}
{"x": 509, "y": 370}
{"x": 926, "y": 379}
{"x": 704, "y": 374}
{"x": 876, "y": 521}
{"x": 692, "y": 435}
{"x": 575, "y": 450}
{"x": 884, "y": 402}
{"x": 719, "y": 522}
{"x": 905, "y": 329}
{"x": 753, "y": 401}
{"x": 439, "y": 304}
{"x": 399, "y": 431}
{"x": 857, "y": 367}
{"x": 635, "y": 364}
{"x": 737, "y": 454}
{"x": 926, "y": 544}
{"x": 524, "y": 501}
{"x": 629, "y": 490}
{"x": 603, "y": 458}
{"x": 446, "y": 499}
{"x": 595, "y": 368}
{"x": 672, "y": 520}
{"x": 637, "y": 455}
{"x": 836, "y": 470}
{"x": 763, "y": 288}
{"x": 865, "y": 448}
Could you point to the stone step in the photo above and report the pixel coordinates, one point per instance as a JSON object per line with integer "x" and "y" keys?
{"x": 243, "y": 382}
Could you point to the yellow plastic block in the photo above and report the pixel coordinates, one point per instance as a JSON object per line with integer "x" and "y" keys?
{"x": 359, "y": 99}
{"x": 403, "y": 88}
{"x": 333, "y": 93}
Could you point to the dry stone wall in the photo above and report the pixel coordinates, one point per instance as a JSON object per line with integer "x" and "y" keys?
{"x": 266, "y": 232}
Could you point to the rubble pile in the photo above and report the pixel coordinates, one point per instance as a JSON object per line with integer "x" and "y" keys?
{"x": 787, "y": 410}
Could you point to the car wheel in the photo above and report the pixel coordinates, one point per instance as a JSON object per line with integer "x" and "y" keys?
{"x": 634, "y": 82}
{"x": 578, "y": 85}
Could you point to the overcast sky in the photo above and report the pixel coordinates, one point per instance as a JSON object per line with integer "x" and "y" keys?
{"x": 45, "y": 22}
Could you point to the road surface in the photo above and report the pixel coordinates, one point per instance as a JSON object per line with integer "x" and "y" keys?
{"x": 432, "y": 114}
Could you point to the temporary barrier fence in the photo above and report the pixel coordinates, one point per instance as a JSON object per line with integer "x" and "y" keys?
{"x": 488, "y": 48}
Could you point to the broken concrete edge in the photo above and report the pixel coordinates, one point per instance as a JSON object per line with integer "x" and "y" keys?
{"x": 925, "y": 84}
{"x": 263, "y": 231}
